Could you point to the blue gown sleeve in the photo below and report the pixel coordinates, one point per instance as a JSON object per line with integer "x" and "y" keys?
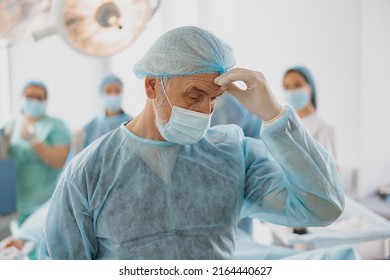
{"x": 291, "y": 180}
{"x": 73, "y": 238}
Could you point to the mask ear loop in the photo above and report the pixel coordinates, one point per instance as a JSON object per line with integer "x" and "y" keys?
{"x": 165, "y": 93}
{"x": 158, "y": 120}
{"x": 212, "y": 106}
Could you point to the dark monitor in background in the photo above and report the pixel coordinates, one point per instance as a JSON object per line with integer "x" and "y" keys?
{"x": 7, "y": 187}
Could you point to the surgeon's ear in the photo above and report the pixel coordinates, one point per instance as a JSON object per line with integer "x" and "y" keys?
{"x": 150, "y": 87}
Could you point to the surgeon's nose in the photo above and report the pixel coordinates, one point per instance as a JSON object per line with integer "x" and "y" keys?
{"x": 207, "y": 106}
{"x": 213, "y": 103}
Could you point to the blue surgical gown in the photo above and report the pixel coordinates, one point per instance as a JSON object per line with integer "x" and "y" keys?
{"x": 99, "y": 126}
{"x": 126, "y": 197}
{"x": 103, "y": 124}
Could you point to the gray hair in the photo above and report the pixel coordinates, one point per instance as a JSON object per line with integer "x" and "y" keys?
{"x": 165, "y": 81}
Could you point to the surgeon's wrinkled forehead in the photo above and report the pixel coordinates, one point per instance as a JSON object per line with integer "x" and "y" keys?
{"x": 202, "y": 83}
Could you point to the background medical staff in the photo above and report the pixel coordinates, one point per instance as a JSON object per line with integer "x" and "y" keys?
{"x": 300, "y": 93}
{"x": 111, "y": 93}
{"x": 39, "y": 145}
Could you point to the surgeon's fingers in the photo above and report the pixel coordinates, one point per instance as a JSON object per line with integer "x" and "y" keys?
{"x": 238, "y": 74}
{"x": 236, "y": 91}
{"x": 254, "y": 81}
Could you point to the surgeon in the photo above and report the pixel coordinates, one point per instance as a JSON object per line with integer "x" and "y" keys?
{"x": 39, "y": 146}
{"x": 301, "y": 94}
{"x": 111, "y": 93}
{"x": 167, "y": 186}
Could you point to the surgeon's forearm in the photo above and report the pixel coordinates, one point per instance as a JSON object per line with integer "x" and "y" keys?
{"x": 311, "y": 171}
{"x": 54, "y": 156}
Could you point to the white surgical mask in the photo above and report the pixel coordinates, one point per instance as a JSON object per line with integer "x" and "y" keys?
{"x": 33, "y": 107}
{"x": 297, "y": 98}
{"x": 112, "y": 102}
{"x": 184, "y": 126}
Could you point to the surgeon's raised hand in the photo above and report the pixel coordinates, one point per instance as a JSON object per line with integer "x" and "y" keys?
{"x": 257, "y": 97}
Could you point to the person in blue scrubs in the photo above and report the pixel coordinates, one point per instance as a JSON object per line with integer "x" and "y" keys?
{"x": 111, "y": 94}
{"x": 167, "y": 186}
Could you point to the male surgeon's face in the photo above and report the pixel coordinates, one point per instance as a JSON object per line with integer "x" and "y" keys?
{"x": 197, "y": 93}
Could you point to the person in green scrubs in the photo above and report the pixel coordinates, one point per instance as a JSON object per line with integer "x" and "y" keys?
{"x": 39, "y": 146}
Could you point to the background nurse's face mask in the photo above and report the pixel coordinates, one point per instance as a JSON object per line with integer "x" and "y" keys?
{"x": 297, "y": 98}
{"x": 113, "y": 102}
{"x": 184, "y": 126}
{"x": 33, "y": 107}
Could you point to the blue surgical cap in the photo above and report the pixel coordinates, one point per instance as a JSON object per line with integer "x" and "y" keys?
{"x": 306, "y": 74}
{"x": 35, "y": 83}
{"x": 185, "y": 51}
{"x": 110, "y": 79}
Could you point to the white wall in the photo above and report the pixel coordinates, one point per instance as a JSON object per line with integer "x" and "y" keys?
{"x": 5, "y": 102}
{"x": 374, "y": 136}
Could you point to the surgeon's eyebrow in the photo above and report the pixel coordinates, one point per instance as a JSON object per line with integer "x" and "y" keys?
{"x": 195, "y": 88}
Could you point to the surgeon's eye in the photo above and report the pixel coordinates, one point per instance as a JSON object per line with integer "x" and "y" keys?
{"x": 194, "y": 97}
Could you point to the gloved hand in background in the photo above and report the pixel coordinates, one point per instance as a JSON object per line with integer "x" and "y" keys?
{"x": 27, "y": 132}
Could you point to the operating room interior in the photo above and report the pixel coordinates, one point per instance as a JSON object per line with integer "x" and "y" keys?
{"x": 346, "y": 46}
